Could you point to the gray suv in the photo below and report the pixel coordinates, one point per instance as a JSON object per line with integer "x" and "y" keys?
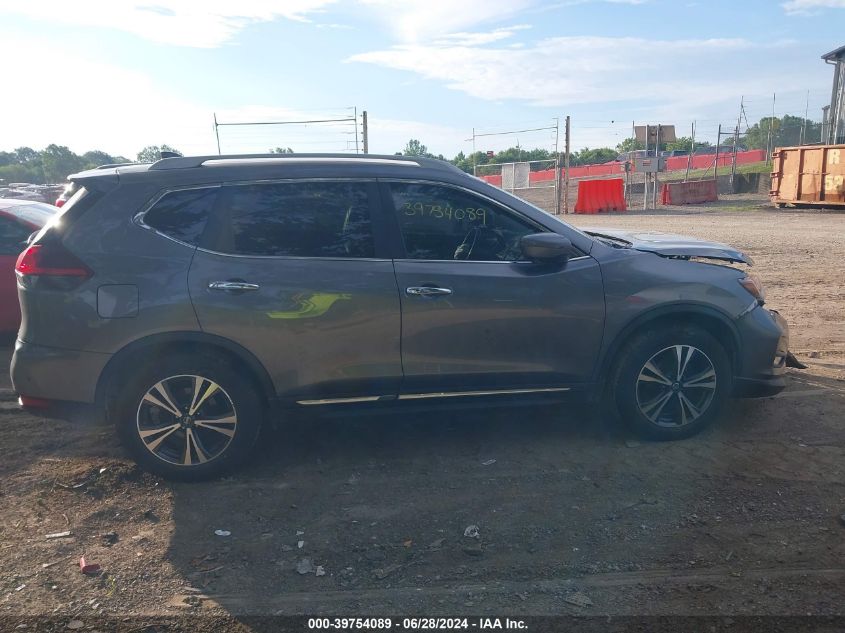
{"x": 197, "y": 297}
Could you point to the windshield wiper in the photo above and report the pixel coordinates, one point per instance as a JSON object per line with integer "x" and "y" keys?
{"x": 610, "y": 240}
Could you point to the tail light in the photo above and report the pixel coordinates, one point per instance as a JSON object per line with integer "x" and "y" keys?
{"x": 50, "y": 260}
{"x": 60, "y": 202}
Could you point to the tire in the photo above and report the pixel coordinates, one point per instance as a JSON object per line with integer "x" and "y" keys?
{"x": 657, "y": 404}
{"x": 221, "y": 416}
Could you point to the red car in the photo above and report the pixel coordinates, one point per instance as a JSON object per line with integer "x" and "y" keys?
{"x": 18, "y": 220}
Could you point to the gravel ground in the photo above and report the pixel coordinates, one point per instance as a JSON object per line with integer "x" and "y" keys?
{"x": 743, "y": 519}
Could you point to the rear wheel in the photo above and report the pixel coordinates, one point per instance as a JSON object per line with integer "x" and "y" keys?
{"x": 672, "y": 383}
{"x": 189, "y": 417}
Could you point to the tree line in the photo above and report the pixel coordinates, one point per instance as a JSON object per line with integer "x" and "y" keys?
{"x": 53, "y": 163}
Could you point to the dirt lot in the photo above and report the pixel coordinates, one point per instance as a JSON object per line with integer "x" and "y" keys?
{"x": 741, "y": 520}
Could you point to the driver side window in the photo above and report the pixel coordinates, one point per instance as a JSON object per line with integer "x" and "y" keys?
{"x": 442, "y": 223}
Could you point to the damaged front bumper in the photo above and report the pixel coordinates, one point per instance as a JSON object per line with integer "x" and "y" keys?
{"x": 762, "y": 361}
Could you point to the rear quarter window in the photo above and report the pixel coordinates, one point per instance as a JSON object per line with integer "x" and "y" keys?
{"x": 81, "y": 201}
{"x": 182, "y": 214}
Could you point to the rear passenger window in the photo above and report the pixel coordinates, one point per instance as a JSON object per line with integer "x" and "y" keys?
{"x": 299, "y": 219}
{"x": 182, "y": 214}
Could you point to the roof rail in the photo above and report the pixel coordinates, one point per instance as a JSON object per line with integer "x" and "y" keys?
{"x": 111, "y": 165}
{"x": 192, "y": 162}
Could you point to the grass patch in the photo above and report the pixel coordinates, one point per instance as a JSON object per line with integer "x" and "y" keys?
{"x": 700, "y": 174}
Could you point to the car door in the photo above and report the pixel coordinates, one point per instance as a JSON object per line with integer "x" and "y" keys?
{"x": 13, "y": 235}
{"x": 475, "y": 315}
{"x": 292, "y": 271}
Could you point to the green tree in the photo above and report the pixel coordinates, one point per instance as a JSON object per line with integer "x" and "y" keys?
{"x": 630, "y": 144}
{"x": 414, "y": 148}
{"x": 18, "y": 172}
{"x": 152, "y": 153}
{"x": 25, "y": 168}
{"x": 26, "y": 155}
{"x": 683, "y": 143}
{"x": 599, "y": 155}
{"x": 466, "y": 163}
{"x": 58, "y": 162}
{"x": 95, "y": 158}
{"x": 785, "y": 132}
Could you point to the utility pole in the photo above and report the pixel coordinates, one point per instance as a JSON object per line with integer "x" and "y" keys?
{"x": 557, "y": 166}
{"x": 733, "y": 158}
{"x": 217, "y": 134}
{"x": 364, "y": 132}
{"x": 691, "y": 151}
{"x": 645, "y": 173}
{"x": 771, "y": 136}
{"x": 736, "y": 141}
{"x": 355, "y": 125}
{"x": 473, "y": 153}
{"x": 716, "y": 163}
{"x": 656, "y": 169}
{"x": 566, "y": 170}
{"x": 804, "y": 125}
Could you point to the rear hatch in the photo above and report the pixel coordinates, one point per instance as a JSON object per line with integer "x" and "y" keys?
{"x": 47, "y": 272}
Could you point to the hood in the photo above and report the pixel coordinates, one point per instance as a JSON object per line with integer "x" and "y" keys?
{"x": 668, "y": 245}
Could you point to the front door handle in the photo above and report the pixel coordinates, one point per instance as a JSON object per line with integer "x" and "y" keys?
{"x": 232, "y": 285}
{"x": 427, "y": 291}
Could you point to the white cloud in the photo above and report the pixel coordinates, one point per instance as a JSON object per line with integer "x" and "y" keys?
{"x": 196, "y": 23}
{"x": 567, "y": 70}
{"x": 123, "y": 111}
{"x": 118, "y": 111}
{"x": 421, "y": 20}
{"x": 569, "y": 3}
{"x": 809, "y": 6}
{"x": 477, "y": 39}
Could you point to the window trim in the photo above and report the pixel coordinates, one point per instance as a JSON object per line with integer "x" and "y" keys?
{"x": 138, "y": 218}
{"x": 399, "y": 240}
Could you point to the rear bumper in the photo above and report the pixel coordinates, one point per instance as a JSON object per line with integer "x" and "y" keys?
{"x": 762, "y": 360}
{"x": 51, "y": 373}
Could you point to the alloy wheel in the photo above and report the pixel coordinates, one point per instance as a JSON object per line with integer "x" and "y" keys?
{"x": 676, "y": 386}
{"x": 186, "y": 420}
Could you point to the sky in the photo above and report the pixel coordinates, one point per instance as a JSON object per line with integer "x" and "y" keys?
{"x": 119, "y": 75}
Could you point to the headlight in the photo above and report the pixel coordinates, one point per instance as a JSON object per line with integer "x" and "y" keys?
{"x": 754, "y": 287}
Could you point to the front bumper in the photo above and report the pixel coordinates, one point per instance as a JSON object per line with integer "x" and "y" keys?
{"x": 51, "y": 373}
{"x": 761, "y": 363}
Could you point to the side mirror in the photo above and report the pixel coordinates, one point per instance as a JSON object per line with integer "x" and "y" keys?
{"x": 546, "y": 248}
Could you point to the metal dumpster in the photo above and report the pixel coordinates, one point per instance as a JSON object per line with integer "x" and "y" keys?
{"x": 809, "y": 175}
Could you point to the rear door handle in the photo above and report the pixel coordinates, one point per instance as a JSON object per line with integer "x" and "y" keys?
{"x": 427, "y": 291}
{"x": 233, "y": 285}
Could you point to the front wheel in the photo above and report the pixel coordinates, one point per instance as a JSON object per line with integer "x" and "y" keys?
{"x": 188, "y": 417}
{"x": 671, "y": 383}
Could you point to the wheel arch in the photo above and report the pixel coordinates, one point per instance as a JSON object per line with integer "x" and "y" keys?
{"x": 171, "y": 342}
{"x": 708, "y": 318}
